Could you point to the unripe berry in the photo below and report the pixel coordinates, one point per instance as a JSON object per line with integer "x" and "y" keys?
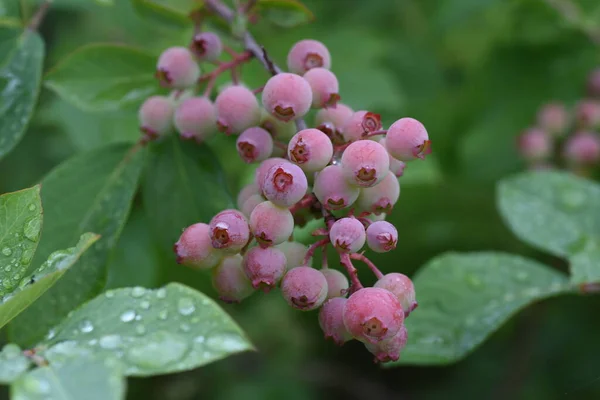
{"x": 588, "y": 114}
{"x": 304, "y": 288}
{"x": 337, "y": 283}
{"x": 230, "y": 280}
{"x": 156, "y": 116}
{"x": 389, "y": 349}
{"x": 177, "y": 68}
{"x": 250, "y": 203}
{"x": 285, "y": 184}
{"x": 372, "y": 315}
{"x": 593, "y": 85}
{"x": 360, "y": 124}
{"x": 365, "y": 163}
{"x": 307, "y": 54}
{"x": 325, "y": 87}
{"x": 332, "y": 189}
{"x": 237, "y": 109}
{"x": 535, "y": 144}
{"x": 382, "y": 236}
{"x": 294, "y": 254}
{"x": 287, "y": 96}
{"x": 553, "y": 118}
{"x": 255, "y": 145}
{"x": 583, "y": 148}
{"x": 400, "y": 286}
{"x": 263, "y": 169}
{"x": 246, "y": 192}
{"x": 264, "y": 267}
{"x": 330, "y": 121}
{"x": 229, "y": 231}
{"x": 348, "y": 235}
{"x": 194, "y": 249}
{"x": 407, "y": 139}
{"x": 278, "y": 129}
{"x": 196, "y": 117}
{"x": 331, "y": 320}
{"x": 206, "y": 46}
{"x": 381, "y": 198}
{"x": 310, "y": 149}
{"x": 271, "y": 225}
{"x": 396, "y": 166}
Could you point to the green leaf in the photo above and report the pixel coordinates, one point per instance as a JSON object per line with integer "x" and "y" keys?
{"x": 76, "y": 378}
{"x": 174, "y": 328}
{"x": 169, "y": 12}
{"x": 463, "y": 298}
{"x": 104, "y": 77}
{"x": 285, "y": 13}
{"x": 33, "y": 286}
{"x": 183, "y": 185}
{"x": 13, "y": 363}
{"x": 585, "y": 265}
{"x": 22, "y": 56}
{"x": 20, "y": 224}
{"x": 90, "y": 192}
{"x": 554, "y": 211}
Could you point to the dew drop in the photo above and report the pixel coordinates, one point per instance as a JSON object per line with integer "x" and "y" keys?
{"x": 157, "y": 349}
{"x": 7, "y": 251}
{"x": 184, "y": 327}
{"x": 32, "y": 229}
{"x": 32, "y": 207}
{"x": 185, "y": 305}
{"x": 161, "y": 293}
{"x": 50, "y": 335}
{"x": 86, "y": 326}
{"x": 138, "y": 291}
{"x": 128, "y": 316}
{"x": 473, "y": 281}
{"x": 522, "y": 275}
{"x": 226, "y": 342}
{"x": 140, "y": 329}
{"x": 199, "y": 339}
{"x": 138, "y": 317}
{"x": 110, "y": 294}
{"x": 110, "y": 342}
{"x": 8, "y": 268}
{"x": 145, "y": 304}
{"x": 163, "y": 314}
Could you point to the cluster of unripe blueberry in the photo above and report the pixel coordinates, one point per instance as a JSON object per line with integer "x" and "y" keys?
{"x": 564, "y": 137}
{"x": 344, "y": 171}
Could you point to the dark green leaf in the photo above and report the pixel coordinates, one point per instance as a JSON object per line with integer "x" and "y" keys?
{"x": 285, "y": 13}
{"x": 183, "y": 185}
{"x": 22, "y": 55}
{"x": 585, "y": 265}
{"x": 42, "y": 279}
{"x": 12, "y": 363}
{"x": 20, "y": 224}
{"x": 90, "y": 192}
{"x": 76, "y": 378}
{"x": 463, "y": 298}
{"x": 104, "y": 77}
{"x": 174, "y": 328}
{"x": 175, "y": 12}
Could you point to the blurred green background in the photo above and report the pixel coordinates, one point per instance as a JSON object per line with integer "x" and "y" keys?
{"x": 474, "y": 72}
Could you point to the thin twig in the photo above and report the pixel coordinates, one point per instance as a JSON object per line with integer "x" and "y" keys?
{"x": 39, "y": 15}
{"x": 372, "y": 267}
{"x": 346, "y": 262}
{"x": 313, "y": 247}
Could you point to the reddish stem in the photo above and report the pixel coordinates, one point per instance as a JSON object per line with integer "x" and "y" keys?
{"x": 346, "y": 262}
{"x": 313, "y": 247}
{"x": 306, "y": 202}
{"x": 245, "y": 248}
{"x": 372, "y": 267}
{"x": 365, "y": 221}
{"x": 259, "y": 90}
{"x": 234, "y": 54}
{"x": 374, "y": 133}
{"x": 329, "y": 218}
{"x": 212, "y": 76}
{"x": 324, "y": 263}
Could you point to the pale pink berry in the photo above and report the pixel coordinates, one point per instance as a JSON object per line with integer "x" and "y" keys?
{"x": 381, "y": 198}
{"x": 588, "y": 114}
{"x": 373, "y": 314}
{"x": 237, "y": 109}
{"x": 177, "y": 68}
{"x": 325, "y": 87}
{"x": 294, "y": 254}
{"x": 307, "y": 54}
{"x": 279, "y": 130}
{"x": 348, "y": 235}
{"x": 402, "y": 287}
{"x": 382, "y": 236}
{"x": 330, "y": 121}
{"x": 396, "y": 166}
{"x": 583, "y": 148}
{"x": 553, "y": 118}
{"x": 156, "y": 116}
{"x": 304, "y": 288}
{"x": 230, "y": 280}
{"x": 229, "y": 231}
{"x": 195, "y": 118}
{"x": 593, "y": 85}
{"x": 360, "y": 124}
{"x": 332, "y": 189}
{"x": 365, "y": 163}
{"x": 271, "y": 225}
{"x": 287, "y": 96}
{"x": 407, "y": 139}
{"x": 285, "y": 184}
{"x": 264, "y": 267}
{"x": 255, "y": 145}
{"x": 246, "y": 192}
{"x": 310, "y": 149}
{"x": 389, "y": 349}
{"x": 263, "y": 169}
{"x": 331, "y": 320}
{"x": 194, "y": 249}
{"x": 250, "y": 203}
{"x": 337, "y": 283}
{"x": 206, "y": 46}
{"x": 535, "y": 144}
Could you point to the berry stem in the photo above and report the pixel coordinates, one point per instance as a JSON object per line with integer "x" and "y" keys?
{"x": 375, "y": 133}
{"x": 372, "y": 267}
{"x": 324, "y": 263}
{"x": 313, "y": 247}
{"x": 258, "y": 90}
{"x": 365, "y": 221}
{"x": 346, "y": 262}
{"x": 237, "y": 60}
{"x": 306, "y": 202}
{"x": 39, "y": 15}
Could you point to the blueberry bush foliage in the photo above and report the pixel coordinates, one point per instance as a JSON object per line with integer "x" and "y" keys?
{"x": 211, "y": 167}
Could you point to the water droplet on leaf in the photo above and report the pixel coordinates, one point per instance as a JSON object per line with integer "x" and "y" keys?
{"x": 86, "y": 326}
{"x": 128, "y": 316}
{"x": 110, "y": 341}
{"x": 7, "y": 251}
{"x": 138, "y": 291}
{"x": 157, "y": 350}
{"x": 185, "y": 305}
{"x": 32, "y": 229}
